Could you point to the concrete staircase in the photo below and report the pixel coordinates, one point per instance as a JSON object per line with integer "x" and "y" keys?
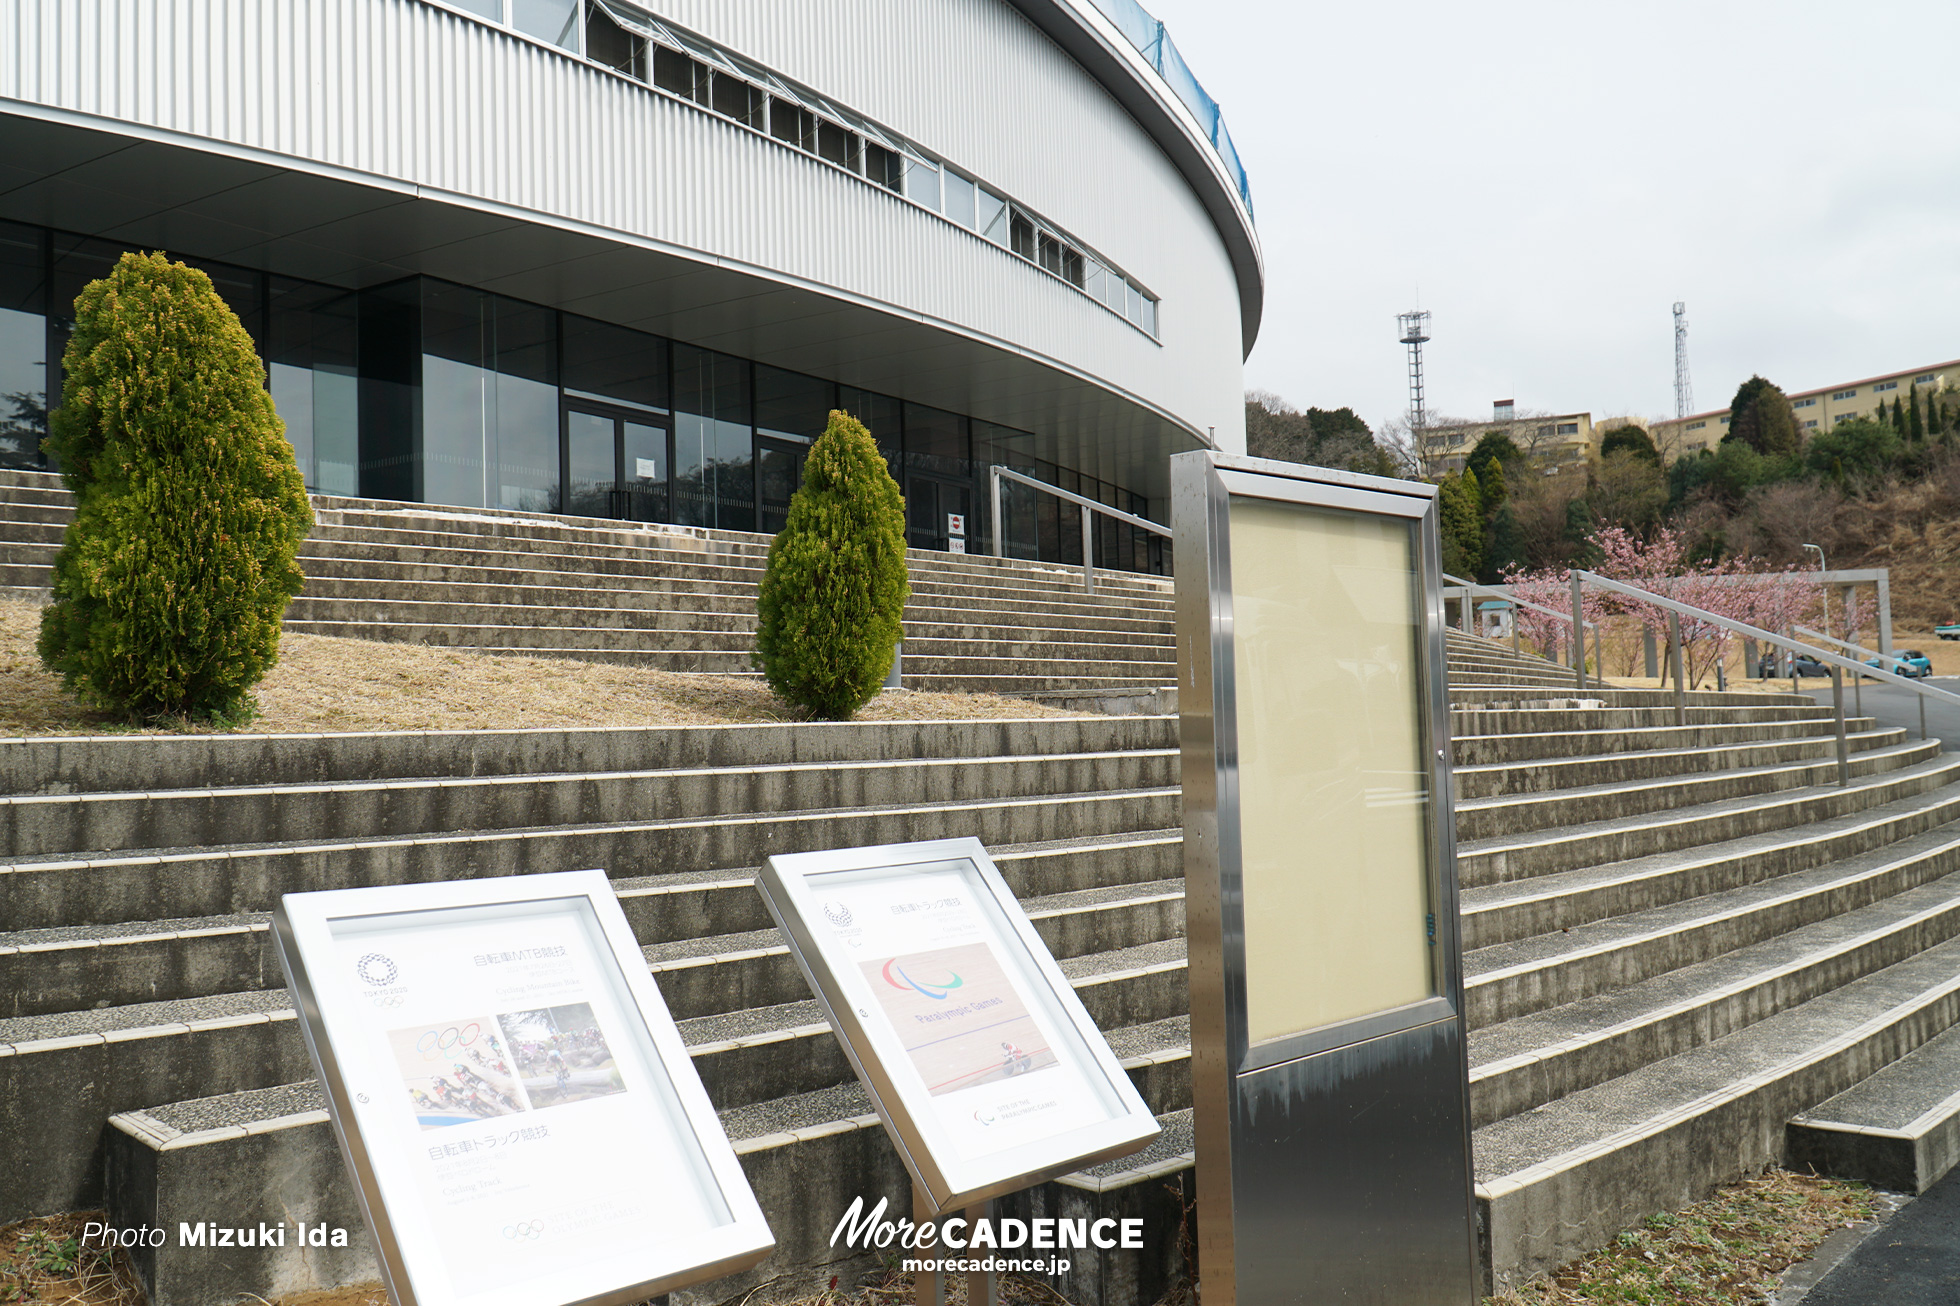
{"x": 672, "y": 597}
{"x": 1680, "y": 938}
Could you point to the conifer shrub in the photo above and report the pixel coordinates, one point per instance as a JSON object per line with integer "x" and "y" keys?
{"x": 835, "y": 587}
{"x": 189, "y": 508}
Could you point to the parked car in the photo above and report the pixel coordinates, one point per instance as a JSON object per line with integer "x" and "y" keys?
{"x": 1911, "y": 662}
{"x": 1779, "y": 665}
{"x": 1949, "y": 631}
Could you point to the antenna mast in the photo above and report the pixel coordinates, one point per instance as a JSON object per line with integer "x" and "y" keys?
{"x": 1415, "y": 332}
{"x": 1684, "y": 390}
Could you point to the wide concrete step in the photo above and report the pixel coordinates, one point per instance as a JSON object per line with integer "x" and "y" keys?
{"x": 107, "y": 763}
{"x": 1550, "y": 905}
{"x": 1475, "y": 720}
{"x": 1522, "y": 856}
{"x": 1514, "y": 978}
{"x": 1586, "y": 746}
{"x": 229, "y": 879}
{"x": 1515, "y": 813}
{"x": 1529, "y": 1060}
{"x": 1898, "y": 1130}
{"x": 1550, "y": 775}
{"x": 1561, "y": 1179}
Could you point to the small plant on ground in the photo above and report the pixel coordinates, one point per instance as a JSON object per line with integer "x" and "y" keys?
{"x": 189, "y": 509}
{"x": 835, "y": 587}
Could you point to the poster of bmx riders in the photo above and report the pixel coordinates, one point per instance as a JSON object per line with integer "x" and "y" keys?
{"x": 959, "y": 1018}
{"x": 479, "y": 1067}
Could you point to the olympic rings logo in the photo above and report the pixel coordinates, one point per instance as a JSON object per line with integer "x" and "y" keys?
{"x": 530, "y": 1230}
{"x": 376, "y": 970}
{"x": 384, "y": 1000}
{"x": 434, "y": 1043}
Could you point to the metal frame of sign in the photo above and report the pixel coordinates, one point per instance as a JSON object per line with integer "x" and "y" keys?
{"x": 1333, "y": 1151}
{"x": 435, "y": 1257}
{"x": 946, "y": 1173}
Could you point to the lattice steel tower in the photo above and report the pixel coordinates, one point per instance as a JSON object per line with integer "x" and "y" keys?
{"x": 1415, "y": 332}
{"x": 1684, "y": 391}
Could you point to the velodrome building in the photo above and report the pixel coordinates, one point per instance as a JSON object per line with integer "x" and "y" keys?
{"x": 586, "y": 256}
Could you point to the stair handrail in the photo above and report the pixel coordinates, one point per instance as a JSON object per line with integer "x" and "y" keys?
{"x": 1858, "y": 681}
{"x": 1510, "y": 598}
{"x": 1838, "y": 663}
{"x": 997, "y": 473}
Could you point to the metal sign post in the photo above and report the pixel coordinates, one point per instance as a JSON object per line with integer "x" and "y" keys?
{"x": 1329, "y": 1070}
{"x": 511, "y": 1097}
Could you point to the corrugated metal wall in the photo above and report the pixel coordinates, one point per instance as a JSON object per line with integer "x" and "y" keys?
{"x": 415, "y": 93}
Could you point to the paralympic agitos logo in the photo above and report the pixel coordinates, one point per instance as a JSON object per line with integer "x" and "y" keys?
{"x": 901, "y": 980}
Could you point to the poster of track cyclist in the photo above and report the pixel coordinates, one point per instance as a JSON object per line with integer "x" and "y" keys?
{"x": 958, "y": 1016}
{"x": 456, "y": 1071}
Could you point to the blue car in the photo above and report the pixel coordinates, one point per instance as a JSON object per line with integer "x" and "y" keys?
{"x": 1911, "y": 662}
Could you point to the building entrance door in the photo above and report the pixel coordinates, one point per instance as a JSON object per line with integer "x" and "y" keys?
{"x": 614, "y": 464}
{"x": 928, "y": 499}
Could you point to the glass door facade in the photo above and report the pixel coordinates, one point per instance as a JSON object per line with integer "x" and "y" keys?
{"x": 615, "y": 465}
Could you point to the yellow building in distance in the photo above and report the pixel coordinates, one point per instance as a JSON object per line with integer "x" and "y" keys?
{"x": 1552, "y": 441}
{"x": 1816, "y": 410}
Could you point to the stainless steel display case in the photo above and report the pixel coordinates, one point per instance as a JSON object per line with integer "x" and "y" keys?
{"x": 1328, "y": 1039}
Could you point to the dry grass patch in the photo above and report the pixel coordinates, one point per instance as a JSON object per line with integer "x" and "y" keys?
{"x": 1726, "y": 1251}
{"x": 44, "y": 1263}
{"x": 329, "y": 684}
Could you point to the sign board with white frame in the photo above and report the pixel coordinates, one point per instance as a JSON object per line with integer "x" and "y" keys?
{"x": 986, "y": 1070}
{"x": 1328, "y": 1040}
{"x": 511, "y": 1096}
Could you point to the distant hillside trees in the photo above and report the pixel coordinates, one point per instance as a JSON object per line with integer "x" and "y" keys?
{"x": 1324, "y": 437}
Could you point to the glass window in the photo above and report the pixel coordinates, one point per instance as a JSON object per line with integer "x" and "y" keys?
{"x": 1023, "y": 236}
{"x": 489, "y": 402}
{"x": 839, "y": 146}
{"x": 1048, "y": 252}
{"x": 880, "y": 415}
{"x": 735, "y": 98}
{"x": 589, "y": 464}
{"x": 1072, "y": 266}
{"x": 643, "y": 469}
{"x": 714, "y": 457}
{"x": 23, "y": 348}
{"x": 555, "y": 21}
{"x": 792, "y": 124}
{"x": 959, "y": 199}
{"x": 936, "y": 441}
{"x": 922, "y": 182}
{"x": 616, "y": 364}
{"x": 1149, "y": 321}
{"x": 1094, "y": 276}
{"x": 674, "y": 71}
{"x": 313, "y": 361}
{"x": 1133, "y": 303}
{"x": 990, "y": 215}
{"x": 883, "y": 167}
{"x": 491, "y": 9}
{"x": 791, "y": 405}
{"x": 608, "y": 43}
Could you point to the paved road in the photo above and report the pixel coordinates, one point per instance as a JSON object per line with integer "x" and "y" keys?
{"x": 1894, "y": 706}
{"x": 1912, "y": 1260}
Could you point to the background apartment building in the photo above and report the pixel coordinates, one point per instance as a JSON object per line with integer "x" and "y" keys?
{"x": 1816, "y": 410}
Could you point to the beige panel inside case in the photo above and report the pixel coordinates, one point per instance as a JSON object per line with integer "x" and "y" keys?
{"x": 1333, "y": 795}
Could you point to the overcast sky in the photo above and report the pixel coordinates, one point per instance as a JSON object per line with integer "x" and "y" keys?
{"x": 1546, "y": 179}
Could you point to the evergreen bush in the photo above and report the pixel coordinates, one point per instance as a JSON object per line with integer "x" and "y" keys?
{"x": 189, "y": 509}
{"x": 835, "y": 586}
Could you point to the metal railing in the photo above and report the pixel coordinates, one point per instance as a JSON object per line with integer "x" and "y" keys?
{"x": 1858, "y": 681}
{"x": 1838, "y": 663}
{"x": 997, "y": 474}
{"x": 1577, "y": 645}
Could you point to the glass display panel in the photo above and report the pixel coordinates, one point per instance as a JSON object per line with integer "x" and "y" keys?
{"x": 971, "y": 1027}
{"x": 514, "y": 1049}
{"x": 1333, "y": 788}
